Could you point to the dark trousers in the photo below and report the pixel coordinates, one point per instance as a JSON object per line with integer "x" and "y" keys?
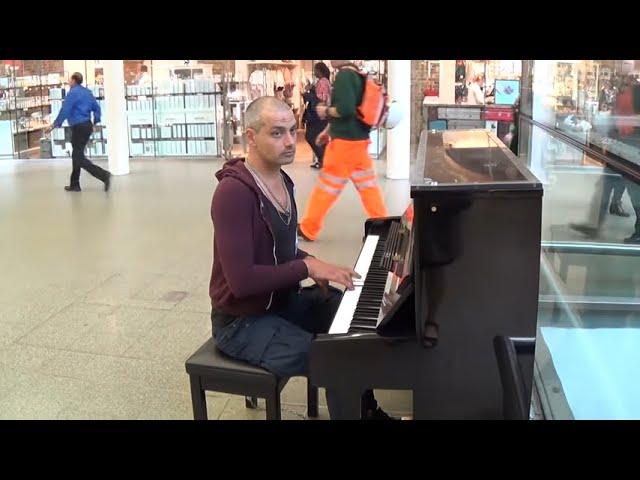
{"x": 80, "y": 135}
{"x": 280, "y": 341}
{"x": 634, "y": 193}
{"x": 513, "y": 146}
{"x": 313, "y": 130}
{"x": 611, "y": 183}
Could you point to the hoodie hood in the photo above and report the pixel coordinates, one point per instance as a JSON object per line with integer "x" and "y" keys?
{"x": 236, "y": 168}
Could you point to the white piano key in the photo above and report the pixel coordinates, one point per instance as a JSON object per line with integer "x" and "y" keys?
{"x": 364, "y": 260}
{"x": 344, "y": 315}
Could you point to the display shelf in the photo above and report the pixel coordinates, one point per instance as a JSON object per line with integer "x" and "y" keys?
{"x": 175, "y": 120}
{"x": 33, "y": 129}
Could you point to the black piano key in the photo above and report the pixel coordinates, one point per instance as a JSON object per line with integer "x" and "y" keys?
{"x": 366, "y": 314}
{"x": 363, "y": 324}
{"x": 367, "y": 311}
{"x": 361, "y": 330}
{"x": 370, "y": 304}
{"x": 365, "y": 320}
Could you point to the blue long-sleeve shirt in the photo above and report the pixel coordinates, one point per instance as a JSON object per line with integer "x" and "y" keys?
{"x": 77, "y": 107}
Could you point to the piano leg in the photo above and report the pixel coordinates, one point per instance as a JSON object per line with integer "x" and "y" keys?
{"x": 312, "y": 400}
{"x": 273, "y": 407}
{"x": 344, "y": 404}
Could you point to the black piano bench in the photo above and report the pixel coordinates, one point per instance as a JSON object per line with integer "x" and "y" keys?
{"x": 210, "y": 369}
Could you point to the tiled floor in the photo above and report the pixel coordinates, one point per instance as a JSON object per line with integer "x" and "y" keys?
{"x": 104, "y": 295}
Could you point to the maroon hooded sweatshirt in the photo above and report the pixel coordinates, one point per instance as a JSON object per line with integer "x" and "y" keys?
{"x": 245, "y": 271}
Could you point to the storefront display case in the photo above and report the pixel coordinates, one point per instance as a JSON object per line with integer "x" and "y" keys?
{"x": 175, "y": 112}
{"x": 25, "y": 106}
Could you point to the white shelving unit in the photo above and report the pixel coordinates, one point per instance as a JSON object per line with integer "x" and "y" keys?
{"x": 180, "y": 118}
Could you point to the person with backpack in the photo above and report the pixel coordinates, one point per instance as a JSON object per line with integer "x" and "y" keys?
{"x": 356, "y": 107}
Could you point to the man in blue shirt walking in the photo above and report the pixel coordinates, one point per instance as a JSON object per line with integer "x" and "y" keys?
{"x": 76, "y": 109}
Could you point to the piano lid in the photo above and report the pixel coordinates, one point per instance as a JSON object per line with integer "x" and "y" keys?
{"x": 467, "y": 160}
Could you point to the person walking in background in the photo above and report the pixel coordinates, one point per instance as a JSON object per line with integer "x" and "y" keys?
{"x": 346, "y": 157}
{"x": 76, "y": 109}
{"x": 318, "y": 93}
{"x": 476, "y": 95}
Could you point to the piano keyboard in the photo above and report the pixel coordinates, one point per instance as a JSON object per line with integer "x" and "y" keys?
{"x": 360, "y": 308}
{"x": 344, "y": 315}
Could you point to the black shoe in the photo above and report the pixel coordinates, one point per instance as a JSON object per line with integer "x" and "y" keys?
{"x": 635, "y": 238}
{"x": 302, "y": 235}
{"x": 616, "y": 209}
{"x": 69, "y": 188}
{"x": 315, "y": 165}
{"x": 378, "y": 414}
{"x": 107, "y": 182}
{"x": 584, "y": 229}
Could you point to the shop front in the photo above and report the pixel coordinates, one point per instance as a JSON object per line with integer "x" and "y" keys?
{"x": 185, "y": 108}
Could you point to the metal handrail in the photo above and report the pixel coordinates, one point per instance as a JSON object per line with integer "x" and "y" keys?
{"x": 591, "y": 248}
{"x": 629, "y": 168}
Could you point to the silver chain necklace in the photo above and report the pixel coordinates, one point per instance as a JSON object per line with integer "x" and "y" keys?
{"x": 284, "y": 211}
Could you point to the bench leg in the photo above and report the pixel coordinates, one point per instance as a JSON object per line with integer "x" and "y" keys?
{"x": 198, "y": 399}
{"x": 273, "y": 406}
{"x": 251, "y": 402}
{"x": 312, "y": 400}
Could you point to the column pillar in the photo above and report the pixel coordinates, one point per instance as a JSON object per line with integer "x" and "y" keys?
{"x": 115, "y": 117}
{"x": 399, "y": 137}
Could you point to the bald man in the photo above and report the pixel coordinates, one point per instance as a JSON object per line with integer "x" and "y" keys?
{"x": 259, "y": 312}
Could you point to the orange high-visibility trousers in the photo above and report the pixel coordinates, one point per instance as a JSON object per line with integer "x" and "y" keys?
{"x": 344, "y": 160}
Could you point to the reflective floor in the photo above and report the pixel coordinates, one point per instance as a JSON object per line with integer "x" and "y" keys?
{"x": 104, "y": 295}
{"x": 589, "y": 316}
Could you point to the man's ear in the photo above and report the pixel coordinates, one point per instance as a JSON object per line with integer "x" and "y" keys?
{"x": 251, "y": 136}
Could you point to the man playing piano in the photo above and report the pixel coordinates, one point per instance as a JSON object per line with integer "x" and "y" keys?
{"x": 260, "y": 314}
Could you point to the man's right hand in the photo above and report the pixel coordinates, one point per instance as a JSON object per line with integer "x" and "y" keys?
{"x": 321, "y": 110}
{"x": 322, "y": 272}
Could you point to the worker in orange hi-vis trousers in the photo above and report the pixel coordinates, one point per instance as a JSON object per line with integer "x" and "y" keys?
{"x": 346, "y": 157}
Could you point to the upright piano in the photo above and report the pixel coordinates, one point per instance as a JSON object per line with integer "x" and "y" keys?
{"x": 459, "y": 267}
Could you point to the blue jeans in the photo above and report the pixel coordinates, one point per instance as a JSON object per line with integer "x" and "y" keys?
{"x": 280, "y": 341}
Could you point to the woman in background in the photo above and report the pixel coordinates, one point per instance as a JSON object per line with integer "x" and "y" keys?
{"x": 318, "y": 93}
